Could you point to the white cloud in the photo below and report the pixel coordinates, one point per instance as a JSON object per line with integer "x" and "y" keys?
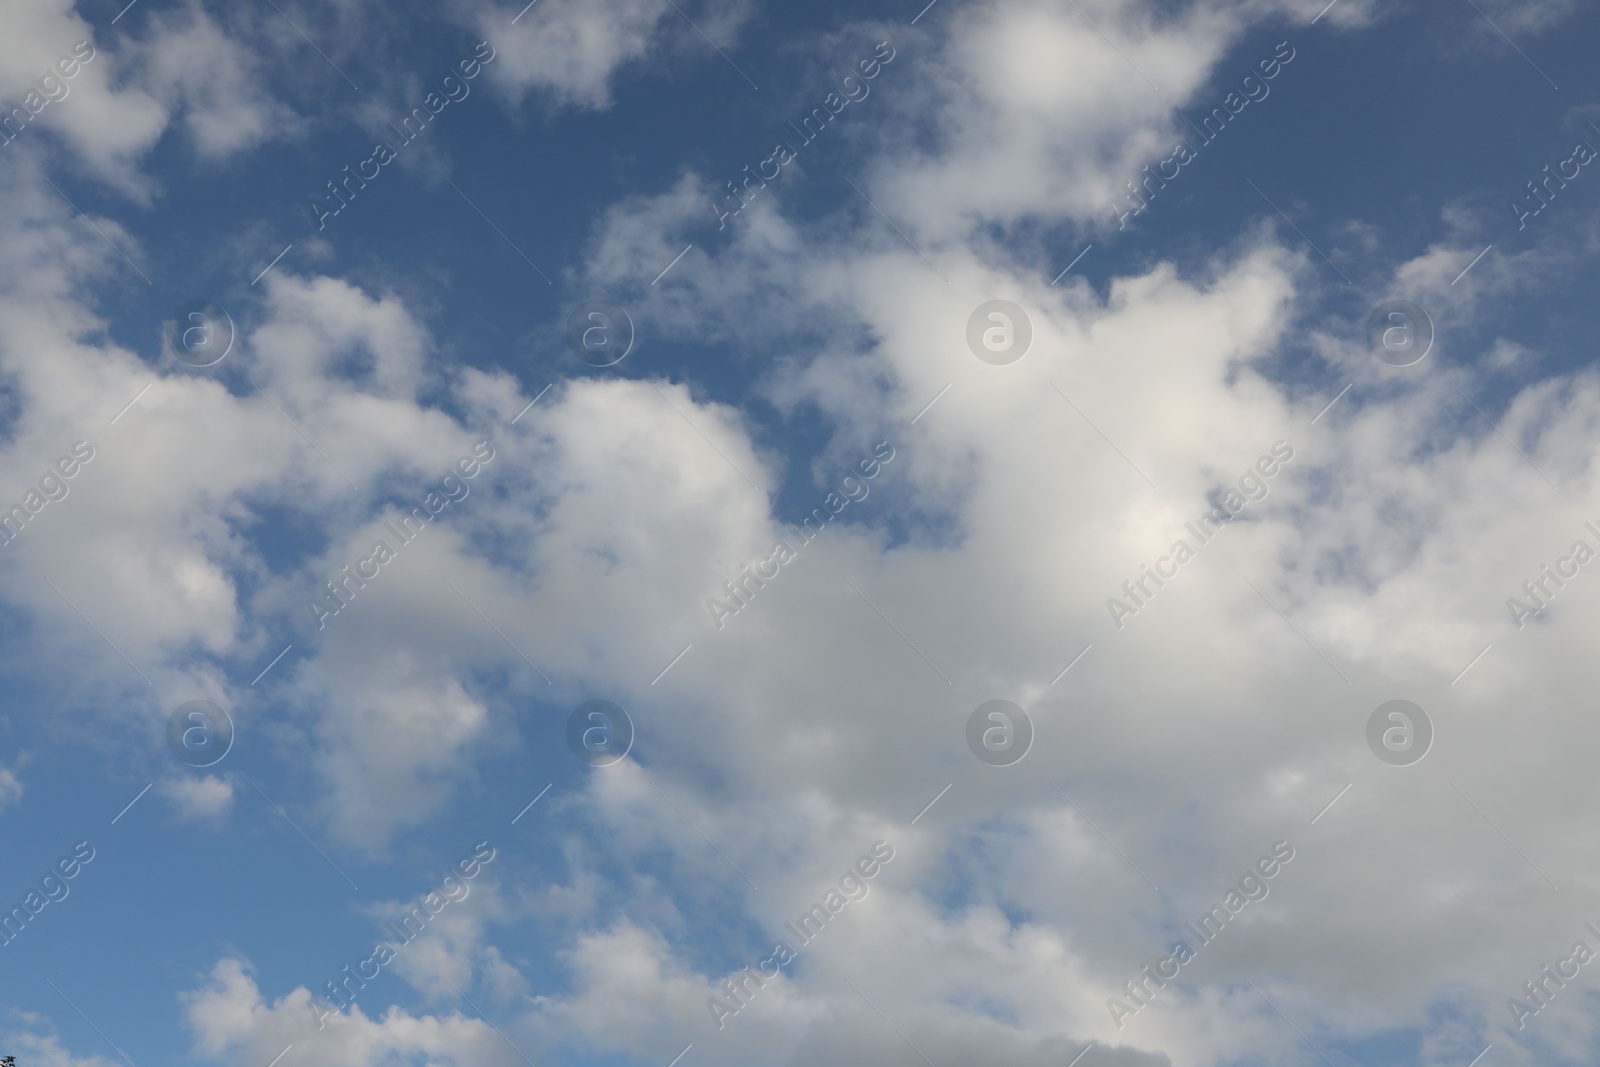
{"x": 39, "y": 1046}
{"x": 455, "y": 949}
{"x": 106, "y": 125}
{"x": 1029, "y": 113}
{"x": 153, "y": 559}
{"x": 570, "y": 51}
{"x": 192, "y": 66}
{"x": 203, "y": 798}
{"x": 1384, "y": 541}
{"x": 234, "y": 1024}
{"x": 398, "y": 749}
{"x": 111, "y": 99}
{"x": 1195, "y": 737}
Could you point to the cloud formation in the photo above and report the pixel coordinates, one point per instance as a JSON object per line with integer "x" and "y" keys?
{"x": 1225, "y": 714}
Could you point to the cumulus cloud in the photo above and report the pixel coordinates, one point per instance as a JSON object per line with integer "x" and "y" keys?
{"x": 111, "y": 99}
{"x": 106, "y": 123}
{"x": 456, "y": 952}
{"x": 132, "y": 526}
{"x": 35, "y": 1042}
{"x": 203, "y": 798}
{"x": 1398, "y": 589}
{"x": 570, "y": 51}
{"x": 233, "y": 1023}
{"x": 194, "y": 67}
{"x": 395, "y": 754}
{"x": 1216, "y": 720}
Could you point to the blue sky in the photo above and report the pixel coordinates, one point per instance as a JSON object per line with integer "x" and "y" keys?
{"x": 776, "y": 354}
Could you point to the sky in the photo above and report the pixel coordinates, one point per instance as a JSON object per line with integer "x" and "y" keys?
{"x": 678, "y": 533}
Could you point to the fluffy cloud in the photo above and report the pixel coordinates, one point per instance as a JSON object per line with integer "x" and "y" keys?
{"x": 396, "y": 752}
{"x": 1382, "y": 543}
{"x": 36, "y": 1043}
{"x": 1221, "y": 718}
{"x": 204, "y": 798}
{"x": 232, "y": 1023}
{"x": 122, "y": 95}
{"x": 193, "y": 66}
{"x": 107, "y": 124}
{"x": 571, "y": 50}
{"x": 456, "y": 953}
